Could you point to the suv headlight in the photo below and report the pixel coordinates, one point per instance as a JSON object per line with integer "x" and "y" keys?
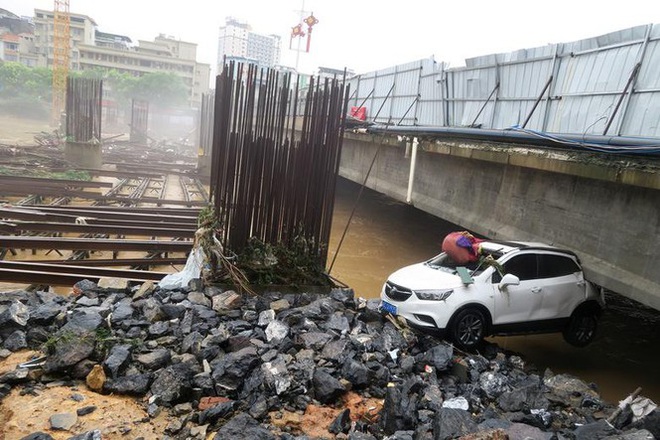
{"x": 433, "y": 294}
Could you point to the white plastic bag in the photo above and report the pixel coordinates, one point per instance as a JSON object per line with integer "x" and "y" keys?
{"x": 640, "y": 406}
{"x": 191, "y": 270}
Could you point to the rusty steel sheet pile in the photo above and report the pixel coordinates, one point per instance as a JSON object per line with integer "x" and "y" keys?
{"x": 83, "y": 109}
{"x": 206, "y": 124}
{"x": 139, "y": 121}
{"x": 156, "y": 231}
{"x": 274, "y": 171}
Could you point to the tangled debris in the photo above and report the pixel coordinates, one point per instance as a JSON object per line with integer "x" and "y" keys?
{"x": 259, "y": 263}
{"x": 250, "y": 367}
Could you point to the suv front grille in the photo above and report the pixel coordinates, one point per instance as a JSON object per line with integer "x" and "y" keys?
{"x": 396, "y": 292}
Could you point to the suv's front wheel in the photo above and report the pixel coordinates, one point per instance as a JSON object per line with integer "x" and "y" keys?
{"x": 468, "y": 328}
{"x": 581, "y": 328}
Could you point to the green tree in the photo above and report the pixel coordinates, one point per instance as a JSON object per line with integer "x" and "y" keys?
{"x": 23, "y": 88}
{"x": 17, "y": 80}
{"x": 122, "y": 86}
{"x": 161, "y": 89}
{"x": 25, "y": 91}
{"x": 95, "y": 73}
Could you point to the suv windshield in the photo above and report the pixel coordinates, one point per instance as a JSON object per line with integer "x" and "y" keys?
{"x": 445, "y": 263}
{"x": 442, "y": 261}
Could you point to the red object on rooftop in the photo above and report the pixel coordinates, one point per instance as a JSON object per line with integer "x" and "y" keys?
{"x": 359, "y": 113}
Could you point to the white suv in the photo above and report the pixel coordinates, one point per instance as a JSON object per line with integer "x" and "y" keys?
{"x": 515, "y": 288}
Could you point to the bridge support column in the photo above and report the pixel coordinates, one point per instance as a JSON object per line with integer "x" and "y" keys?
{"x": 411, "y": 177}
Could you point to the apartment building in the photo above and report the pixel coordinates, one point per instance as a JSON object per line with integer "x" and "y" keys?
{"x": 93, "y": 49}
{"x": 237, "y": 41}
{"x": 164, "y": 54}
{"x": 17, "y": 39}
{"x": 82, "y": 31}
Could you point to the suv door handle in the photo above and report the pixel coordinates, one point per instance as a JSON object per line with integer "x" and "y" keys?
{"x": 580, "y": 283}
{"x": 536, "y": 289}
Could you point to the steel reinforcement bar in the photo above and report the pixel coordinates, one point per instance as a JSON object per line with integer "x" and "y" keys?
{"x": 267, "y": 182}
{"x": 91, "y": 244}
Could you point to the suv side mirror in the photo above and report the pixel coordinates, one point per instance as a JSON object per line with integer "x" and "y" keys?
{"x": 509, "y": 280}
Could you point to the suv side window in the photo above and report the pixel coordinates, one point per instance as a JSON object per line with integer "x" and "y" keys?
{"x": 523, "y": 266}
{"x": 551, "y": 266}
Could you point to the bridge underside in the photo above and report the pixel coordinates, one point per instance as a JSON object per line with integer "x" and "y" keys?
{"x": 606, "y": 210}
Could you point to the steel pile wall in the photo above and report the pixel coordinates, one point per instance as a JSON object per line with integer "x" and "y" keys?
{"x": 584, "y": 96}
{"x": 83, "y": 109}
{"x": 139, "y": 121}
{"x": 267, "y": 181}
{"x": 206, "y": 124}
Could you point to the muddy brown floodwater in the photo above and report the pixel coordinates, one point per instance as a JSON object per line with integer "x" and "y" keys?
{"x": 386, "y": 235}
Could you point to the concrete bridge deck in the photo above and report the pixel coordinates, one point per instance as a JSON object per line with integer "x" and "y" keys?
{"x": 606, "y": 208}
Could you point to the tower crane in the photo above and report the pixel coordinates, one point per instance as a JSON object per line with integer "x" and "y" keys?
{"x": 61, "y": 55}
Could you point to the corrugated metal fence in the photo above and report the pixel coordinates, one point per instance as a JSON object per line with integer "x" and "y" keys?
{"x": 606, "y": 83}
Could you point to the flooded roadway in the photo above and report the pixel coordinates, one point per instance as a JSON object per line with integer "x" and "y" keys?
{"x": 385, "y": 235}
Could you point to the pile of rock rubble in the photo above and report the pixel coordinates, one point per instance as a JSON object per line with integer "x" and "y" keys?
{"x": 249, "y": 358}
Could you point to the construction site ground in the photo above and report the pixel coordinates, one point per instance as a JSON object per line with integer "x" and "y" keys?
{"x": 19, "y": 131}
{"x": 118, "y": 417}
{"x": 22, "y": 414}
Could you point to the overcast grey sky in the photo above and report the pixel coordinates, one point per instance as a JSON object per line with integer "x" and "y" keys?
{"x": 366, "y": 35}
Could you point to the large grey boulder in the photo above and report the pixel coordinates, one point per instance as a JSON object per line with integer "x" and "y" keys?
{"x": 451, "y": 423}
{"x": 243, "y": 427}
{"x": 327, "y": 389}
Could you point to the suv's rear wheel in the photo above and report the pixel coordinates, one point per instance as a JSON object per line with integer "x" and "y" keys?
{"x": 468, "y": 328}
{"x": 581, "y": 329}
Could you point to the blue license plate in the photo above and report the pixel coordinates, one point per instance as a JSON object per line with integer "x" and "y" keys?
{"x": 387, "y": 307}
